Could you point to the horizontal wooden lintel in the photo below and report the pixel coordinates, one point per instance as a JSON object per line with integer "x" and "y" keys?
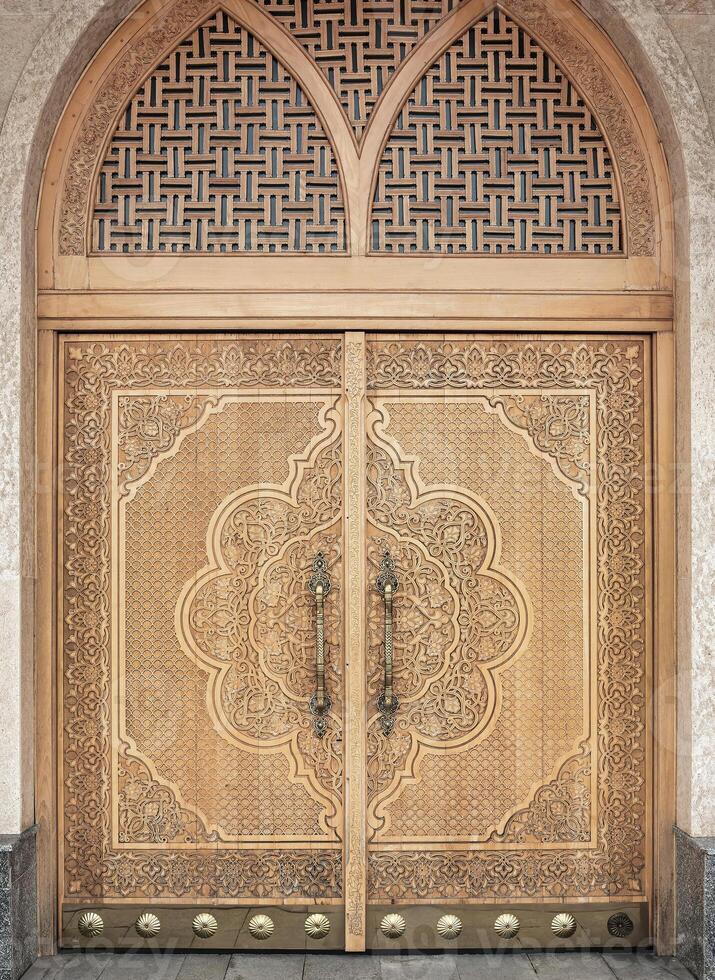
{"x": 403, "y": 309}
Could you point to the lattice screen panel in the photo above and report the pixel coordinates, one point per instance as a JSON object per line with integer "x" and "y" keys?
{"x": 219, "y": 151}
{"x": 495, "y": 151}
{"x": 358, "y": 44}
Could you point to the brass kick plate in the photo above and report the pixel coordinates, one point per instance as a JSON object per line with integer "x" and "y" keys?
{"x": 389, "y": 927}
{"x": 508, "y": 926}
{"x": 204, "y": 928}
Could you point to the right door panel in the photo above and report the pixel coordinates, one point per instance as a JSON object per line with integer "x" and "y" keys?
{"x": 506, "y": 480}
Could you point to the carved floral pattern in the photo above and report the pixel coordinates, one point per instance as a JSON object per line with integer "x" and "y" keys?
{"x": 93, "y": 371}
{"x": 558, "y": 427}
{"x": 149, "y": 812}
{"x": 613, "y": 371}
{"x": 148, "y": 427}
{"x": 560, "y": 811}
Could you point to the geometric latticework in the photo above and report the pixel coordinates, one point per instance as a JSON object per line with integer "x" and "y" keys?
{"x": 495, "y": 151}
{"x": 358, "y": 44}
{"x": 219, "y": 151}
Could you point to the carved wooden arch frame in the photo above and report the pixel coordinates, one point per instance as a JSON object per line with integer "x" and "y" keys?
{"x": 573, "y": 294}
{"x": 158, "y": 26}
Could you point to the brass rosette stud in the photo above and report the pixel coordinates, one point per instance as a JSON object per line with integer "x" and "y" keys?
{"x": 449, "y": 926}
{"x": 261, "y": 926}
{"x": 507, "y": 926}
{"x": 563, "y": 925}
{"x": 620, "y": 925}
{"x": 91, "y": 925}
{"x": 147, "y": 925}
{"x": 393, "y": 926}
{"x": 317, "y": 926}
{"x": 204, "y": 925}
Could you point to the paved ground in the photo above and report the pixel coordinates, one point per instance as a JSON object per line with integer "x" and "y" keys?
{"x": 284, "y": 966}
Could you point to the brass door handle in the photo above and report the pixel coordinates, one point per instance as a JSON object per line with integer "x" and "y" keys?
{"x": 320, "y": 703}
{"x": 387, "y": 585}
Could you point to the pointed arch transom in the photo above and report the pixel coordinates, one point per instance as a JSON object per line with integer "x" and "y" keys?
{"x": 353, "y": 128}
{"x": 496, "y": 151}
{"x": 219, "y": 150}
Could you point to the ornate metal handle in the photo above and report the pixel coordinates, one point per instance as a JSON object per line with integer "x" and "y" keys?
{"x": 387, "y": 585}
{"x": 320, "y": 703}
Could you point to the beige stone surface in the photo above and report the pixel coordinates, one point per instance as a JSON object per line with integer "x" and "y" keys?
{"x": 669, "y": 44}
{"x": 11, "y": 727}
{"x": 695, "y": 33}
{"x": 22, "y": 23}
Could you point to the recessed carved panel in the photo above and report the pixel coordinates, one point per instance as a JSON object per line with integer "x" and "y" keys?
{"x": 469, "y": 792}
{"x": 220, "y": 150}
{"x": 219, "y": 635}
{"x": 462, "y": 617}
{"x": 496, "y": 151}
{"x": 552, "y": 799}
{"x": 359, "y": 45}
{"x": 165, "y": 443}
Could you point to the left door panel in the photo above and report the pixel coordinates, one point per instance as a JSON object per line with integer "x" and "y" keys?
{"x": 200, "y": 803}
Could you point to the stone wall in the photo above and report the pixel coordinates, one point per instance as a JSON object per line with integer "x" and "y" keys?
{"x": 668, "y": 43}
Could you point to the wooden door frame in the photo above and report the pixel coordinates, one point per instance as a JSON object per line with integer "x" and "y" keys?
{"x": 79, "y": 290}
{"x": 662, "y": 594}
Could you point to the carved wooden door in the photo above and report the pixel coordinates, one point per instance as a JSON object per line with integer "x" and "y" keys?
{"x": 354, "y": 641}
{"x": 201, "y": 478}
{"x": 507, "y": 783}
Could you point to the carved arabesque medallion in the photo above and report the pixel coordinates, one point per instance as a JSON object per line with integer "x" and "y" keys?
{"x": 248, "y": 619}
{"x": 462, "y": 617}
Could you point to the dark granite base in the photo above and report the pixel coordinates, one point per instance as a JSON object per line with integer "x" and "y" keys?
{"x": 696, "y": 903}
{"x": 18, "y": 903}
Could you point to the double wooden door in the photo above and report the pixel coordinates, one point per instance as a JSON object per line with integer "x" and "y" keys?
{"x": 354, "y": 640}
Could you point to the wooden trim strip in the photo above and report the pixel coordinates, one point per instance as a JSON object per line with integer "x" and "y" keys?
{"x": 359, "y": 304}
{"x": 355, "y": 665}
{"x": 45, "y": 647}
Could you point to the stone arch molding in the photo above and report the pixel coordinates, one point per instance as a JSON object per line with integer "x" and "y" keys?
{"x": 157, "y": 27}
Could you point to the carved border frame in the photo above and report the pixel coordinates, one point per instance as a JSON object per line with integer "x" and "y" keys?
{"x": 86, "y": 634}
{"x": 619, "y": 867}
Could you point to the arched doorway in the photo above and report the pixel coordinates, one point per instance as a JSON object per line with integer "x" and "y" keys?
{"x": 386, "y": 293}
